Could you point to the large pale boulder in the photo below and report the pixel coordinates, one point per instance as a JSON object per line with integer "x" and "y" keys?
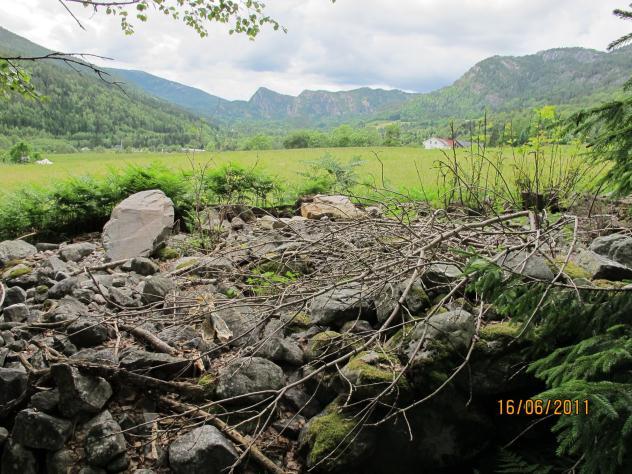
{"x": 138, "y": 225}
{"x": 339, "y": 207}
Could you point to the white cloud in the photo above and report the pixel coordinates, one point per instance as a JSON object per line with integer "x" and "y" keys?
{"x": 410, "y": 44}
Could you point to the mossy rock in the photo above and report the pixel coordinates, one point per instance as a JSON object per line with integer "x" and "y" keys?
{"x": 333, "y": 443}
{"x": 500, "y": 331}
{"x": 571, "y": 269}
{"x": 323, "y": 343}
{"x": 601, "y": 283}
{"x": 208, "y": 382}
{"x": 41, "y": 289}
{"x": 296, "y": 322}
{"x": 186, "y": 263}
{"x": 372, "y": 372}
{"x": 167, "y": 253}
{"x": 17, "y": 271}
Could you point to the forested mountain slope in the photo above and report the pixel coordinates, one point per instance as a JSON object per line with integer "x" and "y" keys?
{"x": 86, "y": 111}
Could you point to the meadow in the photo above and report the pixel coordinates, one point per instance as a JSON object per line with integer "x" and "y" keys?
{"x": 399, "y": 164}
{"x": 399, "y": 168}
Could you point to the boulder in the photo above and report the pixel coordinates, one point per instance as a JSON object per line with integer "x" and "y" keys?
{"x": 527, "y": 264}
{"x": 45, "y": 401}
{"x": 441, "y": 274}
{"x": 63, "y": 288}
{"x": 4, "y": 435}
{"x": 203, "y": 450}
{"x": 13, "y": 383}
{"x": 15, "y": 250}
{"x": 156, "y": 364}
{"x": 602, "y": 268}
{"x": 79, "y": 393}
{"x": 339, "y": 207}
{"x": 277, "y": 348}
{"x": 76, "y": 252}
{"x": 104, "y": 442}
{"x": 16, "y": 459}
{"x": 387, "y": 299}
{"x": 436, "y": 344}
{"x": 243, "y": 322}
{"x": 340, "y": 305}
{"x": 139, "y": 225}
{"x": 156, "y": 289}
{"x": 144, "y": 266}
{"x": 87, "y": 332}
{"x": 38, "y": 430}
{"x": 13, "y": 295}
{"x": 334, "y": 444}
{"x": 617, "y": 247}
{"x": 244, "y": 375}
{"x": 61, "y": 462}
{"x": 17, "y": 313}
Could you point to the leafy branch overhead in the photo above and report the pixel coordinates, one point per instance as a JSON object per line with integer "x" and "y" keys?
{"x": 245, "y": 16}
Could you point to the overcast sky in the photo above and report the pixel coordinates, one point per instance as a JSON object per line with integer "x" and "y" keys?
{"x": 416, "y": 45}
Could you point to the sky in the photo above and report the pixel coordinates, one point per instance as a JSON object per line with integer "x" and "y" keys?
{"x": 414, "y": 45}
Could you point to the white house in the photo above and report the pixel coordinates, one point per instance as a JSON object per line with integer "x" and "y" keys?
{"x": 442, "y": 143}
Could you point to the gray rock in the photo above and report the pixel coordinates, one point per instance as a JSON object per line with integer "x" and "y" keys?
{"x": 387, "y": 300}
{"x": 63, "y": 288}
{"x": 603, "y": 245}
{"x": 144, "y": 266}
{"x": 340, "y": 305}
{"x": 17, "y": 313}
{"x": 21, "y": 275}
{"x": 139, "y": 225}
{"x": 66, "y": 309}
{"x": 275, "y": 347}
{"x": 156, "y": 289}
{"x": 357, "y": 327}
{"x": 601, "y": 267}
{"x": 61, "y": 462}
{"x": 122, "y": 298}
{"x": 16, "y": 459}
{"x": 87, "y": 332}
{"x": 14, "y": 295}
{"x": 249, "y": 374}
{"x": 243, "y": 323}
{"x": 98, "y": 356}
{"x": 441, "y": 274}
{"x": 617, "y": 247}
{"x": 38, "y": 430}
{"x": 104, "y": 441}
{"x": 453, "y": 328}
{"x": 76, "y": 252}
{"x": 527, "y": 264}
{"x": 203, "y": 450}
{"x": 46, "y": 401}
{"x": 44, "y": 246}
{"x": 79, "y": 393}
{"x": 15, "y": 250}
{"x": 13, "y": 383}
{"x": 4, "y": 435}
{"x": 155, "y": 363}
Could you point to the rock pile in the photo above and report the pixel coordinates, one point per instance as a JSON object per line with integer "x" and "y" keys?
{"x": 285, "y": 340}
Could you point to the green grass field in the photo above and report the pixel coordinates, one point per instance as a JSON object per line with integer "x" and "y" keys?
{"x": 401, "y": 167}
{"x": 399, "y": 163}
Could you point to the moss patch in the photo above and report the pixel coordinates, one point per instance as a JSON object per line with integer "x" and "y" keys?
{"x": 327, "y": 432}
{"x": 208, "y": 382}
{"x": 297, "y": 322}
{"x": 322, "y": 343}
{"x": 504, "y": 330}
{"x": 16, "y": 272}
{"x": 572, "y": 270}
{"x": 374, "y": 367}
{"x": 167, "y": 253}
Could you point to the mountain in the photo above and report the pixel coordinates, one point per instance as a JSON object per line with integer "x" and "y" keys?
{"x": 306, "y": 109}
{"x": 561, "y": 76}
{"x": 83, "y": 110}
